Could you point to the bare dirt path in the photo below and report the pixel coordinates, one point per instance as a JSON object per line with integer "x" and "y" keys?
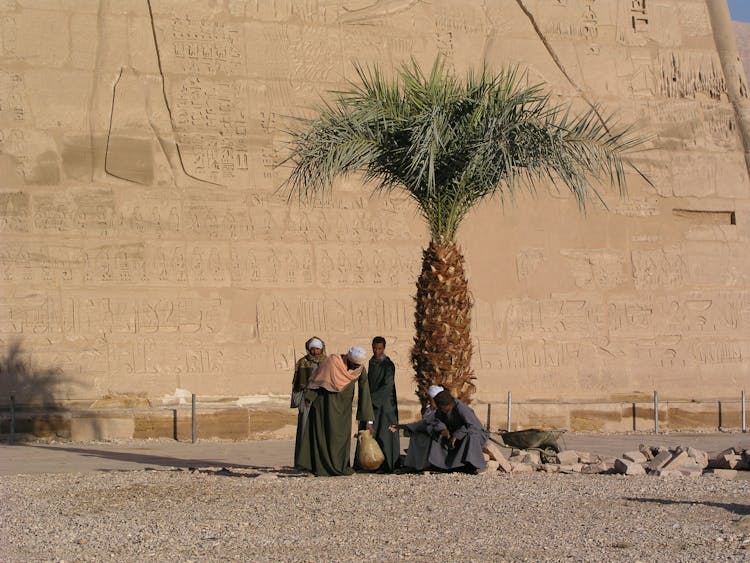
{"x": 84, "y": 457}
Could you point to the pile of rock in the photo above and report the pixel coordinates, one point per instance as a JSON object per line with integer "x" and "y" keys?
{"x": 660, "y": 461}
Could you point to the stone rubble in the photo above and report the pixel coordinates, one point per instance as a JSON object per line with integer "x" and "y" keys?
{"x": 732, "y": 463}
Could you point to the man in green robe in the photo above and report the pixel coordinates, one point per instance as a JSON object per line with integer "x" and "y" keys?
{"x": 381, "y": 374}
{"x": 326, "y": 448}
{"x": 303, "y": 370}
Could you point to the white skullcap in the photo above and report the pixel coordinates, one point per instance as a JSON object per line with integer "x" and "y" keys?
{"x": 315, "y": 343}
{"x": 434, "y": 390}
{"x": 357, "y": 355}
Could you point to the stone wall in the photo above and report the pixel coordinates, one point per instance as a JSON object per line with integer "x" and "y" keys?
{"x": 146, "y": 247}
{"x": 742, "y": 36}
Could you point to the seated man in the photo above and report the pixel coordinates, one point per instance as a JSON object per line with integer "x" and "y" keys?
{"x": 450, "y": 439}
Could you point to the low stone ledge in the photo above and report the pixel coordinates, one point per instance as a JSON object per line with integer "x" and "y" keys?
{"x": 228, "y": 423}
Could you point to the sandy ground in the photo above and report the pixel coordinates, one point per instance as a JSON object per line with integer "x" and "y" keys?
{"x": 240, "y": 501}
{"x": 75, "y": 457}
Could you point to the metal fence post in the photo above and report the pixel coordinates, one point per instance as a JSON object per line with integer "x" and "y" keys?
{"x": 510, "y": 407}
{"x": 656, "y": 412}
{"x": 12, "y": 436}
{"x": 489, "y": 416}
{"x": 721, "y": 417}
{"x": 744, "y": 418}
{"x": 192, "y": 417}
{"x": 634, "y": 418}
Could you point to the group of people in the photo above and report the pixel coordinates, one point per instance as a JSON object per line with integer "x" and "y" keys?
{"x": 449, "y": 437}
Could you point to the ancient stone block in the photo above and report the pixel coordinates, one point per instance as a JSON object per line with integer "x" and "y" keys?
{"x": 522, "y": 467}
{"x": 700, "y": 457}
{"x": 532, "y": 457}
{"x": 492, "y": 466}
{"x": 496, "y": 454}
{"x": 636, "y": 457}
{"x": 598, "y": 467}
{"x": 660, "y": 460}
{"x": 726, "y": 459}
{"x": 627, "y": 467}
{"x": 567, "y": 457}
{"x": 571, "y": 468}
{"x": 690, "y": 468}
{"x": 89, "y": 428}
{"x": 676, "y": 461}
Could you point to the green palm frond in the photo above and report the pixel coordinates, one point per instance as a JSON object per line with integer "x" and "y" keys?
{"x": 450, "y": 143}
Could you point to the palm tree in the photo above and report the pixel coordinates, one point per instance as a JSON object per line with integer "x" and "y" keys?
{"x": 450, "y": 144}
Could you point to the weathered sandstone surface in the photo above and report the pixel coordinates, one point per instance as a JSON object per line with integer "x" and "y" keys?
{"x": 146, "y": 253}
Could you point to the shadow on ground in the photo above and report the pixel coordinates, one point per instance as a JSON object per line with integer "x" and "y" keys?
{"x": 734, "y": 508}
{"x": 213, "y": 467}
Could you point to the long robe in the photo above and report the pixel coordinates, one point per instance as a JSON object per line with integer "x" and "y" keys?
{"x": 427, "y": 448}
{"x": 304, "y": 368}
{"x": 326, "y": 448}
{"x": 381, "y": 375}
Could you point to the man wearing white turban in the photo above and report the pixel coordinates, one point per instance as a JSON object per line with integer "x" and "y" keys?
{"x": 303, "y": 370}
{"x": 431, "y": 408}
{"x": 434, "y": 390}
{"x": 451, "y": 439}
{"x": 329, "y": 394}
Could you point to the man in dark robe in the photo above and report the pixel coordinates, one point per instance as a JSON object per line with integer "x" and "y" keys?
{"x": 326, "y": 449}
{"x": 450, "y": 439}
{"x": 303, "y": 370}
{"x": 381, "y": 374}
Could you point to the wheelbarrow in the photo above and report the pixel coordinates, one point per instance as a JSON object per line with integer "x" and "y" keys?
{"x": 532, "y": 438}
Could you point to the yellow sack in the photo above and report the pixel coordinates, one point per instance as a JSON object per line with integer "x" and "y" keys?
{"x": 369, "y": 454}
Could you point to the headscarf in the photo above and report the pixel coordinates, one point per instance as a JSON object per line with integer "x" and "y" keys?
{"x": 319, "y": 344}
{"x": 333, "y": 373}
{"x": 434, "y": 390}
{"x": 357, "y": 355}
{"x": 314, "y": 342}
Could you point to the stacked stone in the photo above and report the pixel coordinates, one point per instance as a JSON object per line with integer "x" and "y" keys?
{"x": 659, "y": 461}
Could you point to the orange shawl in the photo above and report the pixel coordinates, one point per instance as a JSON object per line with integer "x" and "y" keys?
{"x": 332, "y": 375}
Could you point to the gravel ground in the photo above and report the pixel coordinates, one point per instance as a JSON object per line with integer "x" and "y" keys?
{"x": 221, "y": 514}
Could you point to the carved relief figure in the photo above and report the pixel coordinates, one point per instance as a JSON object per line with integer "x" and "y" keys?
{"x": 121, "y": 88}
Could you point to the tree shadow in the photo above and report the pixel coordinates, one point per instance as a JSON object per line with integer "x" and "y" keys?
{"x": 26, "y": 389}
{"x": 30, "y": 385}
{"x": 733, "y": 507}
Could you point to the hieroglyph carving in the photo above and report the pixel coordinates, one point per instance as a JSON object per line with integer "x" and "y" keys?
{"x": 639, "y": 15}
{"x": 146, "y": 244}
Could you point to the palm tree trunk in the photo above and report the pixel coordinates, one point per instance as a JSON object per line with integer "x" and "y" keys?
{"x": 442, "y": 344}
